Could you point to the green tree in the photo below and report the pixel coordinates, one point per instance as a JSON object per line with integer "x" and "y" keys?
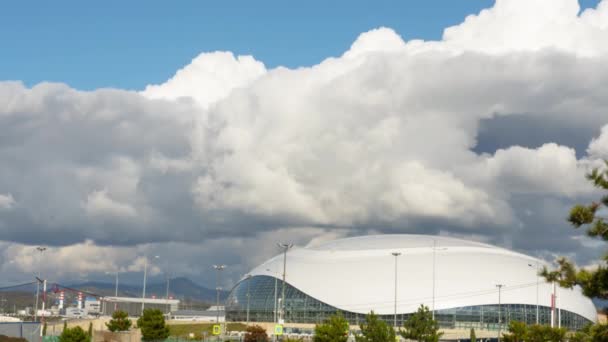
{"x": 594, "y": 283}
{"x": 120, "y": 321}
{"x": 90, "y": 332}
{"x": 75, "y": 334}
{"x": 472, "y": 337}
{"x": 65, "y": 325}
{"x": 537, "y": 333}
{"x": 557, "y": 334}
{"x": 256, "y": 334}
{"x": 334, "y": 329}
{"x": 591, "y": 333}
{"x": 152, "y": 325}
{"x": 44, "y": 329}
{"x": 375, "y": 330}
{"x": 421, "y": 326}
{"x": 517, "y": 332}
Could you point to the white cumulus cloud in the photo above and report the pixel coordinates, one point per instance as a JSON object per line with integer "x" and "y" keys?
{"x": 384, "y": 138}
{"x": 6, "y": 201}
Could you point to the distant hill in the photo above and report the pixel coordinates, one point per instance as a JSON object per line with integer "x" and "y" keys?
{"x": 180, "y": 288}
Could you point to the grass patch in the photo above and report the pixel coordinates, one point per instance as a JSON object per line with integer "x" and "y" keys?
{"x": 198, "y": 329}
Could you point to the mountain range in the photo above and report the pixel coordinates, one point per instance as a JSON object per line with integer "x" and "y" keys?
{"x": 179, "y": 288}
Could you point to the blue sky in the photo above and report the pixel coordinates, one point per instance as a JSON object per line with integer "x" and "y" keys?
{"x": 129, "y": 44}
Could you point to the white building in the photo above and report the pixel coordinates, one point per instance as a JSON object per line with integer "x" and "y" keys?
{"x": 133, "y": 305}
{"x": 457, "y": 279}
{"x": 92, "y": 305}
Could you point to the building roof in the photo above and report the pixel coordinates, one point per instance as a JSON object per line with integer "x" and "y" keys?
{"x": 139, "y": 300}
{"x": 358, "y": 275}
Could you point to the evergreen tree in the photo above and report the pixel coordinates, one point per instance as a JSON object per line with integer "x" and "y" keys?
{"x": 75, "y": 334}
{"x": 90, "y": 332}
{"x": 152, "y": 325}
{"x": 517, "y": 332}
{"x": 44, "y": 329}
{"x": 473, "y": 338}
{"x": 594, "y": 283}
{"x": 375, "y": 330}
{"x": 120, "y": 321}
{"x": 421, "y": 326}
{"x": 335, "y": 329}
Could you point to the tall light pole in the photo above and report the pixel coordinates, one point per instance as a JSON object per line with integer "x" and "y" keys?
{"x": 115, "y": 287}
{"x": 435, "y": 249}
{"x": 285, "y": 247}
{"x": 219, "y": 269}
{"x": 396, "y": 255}
{"x": 41, "y": 250}
{"x": 143, "y": 293}
{"x": 248, "y": 296}
{"x": 500, "y": 286}
{"x": 553, "y": 302}
{"x": 167, "y": 283}
{"x": 275, "y": 295}
{"x": 537, "y": 285}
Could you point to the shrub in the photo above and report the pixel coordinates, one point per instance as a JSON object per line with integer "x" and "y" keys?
{"x": 256, "y": 334}
{"x": 76, "y": 334}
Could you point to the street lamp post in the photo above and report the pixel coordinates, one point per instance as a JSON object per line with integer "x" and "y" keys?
{"x": 248, "y": 296}
{"x": 41, "y": 250}
{"x": 435, "y": 249}
{"x": 275, "y": 296}
{"x": 537, "y": 285}
{"x": 143, "y": 293}
{"x": 218, "y": 268}
{"x": 285, "y": 247}
{"x": 396, "y": 255}
{"x": 115, "y": 287}
{"x": 500, "y": 286}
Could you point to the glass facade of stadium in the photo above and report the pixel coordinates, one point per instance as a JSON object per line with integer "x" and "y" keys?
{"x": 301, "y": 308}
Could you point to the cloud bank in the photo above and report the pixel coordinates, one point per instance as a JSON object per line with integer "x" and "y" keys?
{"x": 385, "y": 138}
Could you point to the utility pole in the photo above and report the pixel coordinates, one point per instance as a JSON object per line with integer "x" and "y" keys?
{"x": 500, "y": 286}
{"x": 285, "y": 247}
{"x": 41, "y": 250}
{"x": 396, "y": 255}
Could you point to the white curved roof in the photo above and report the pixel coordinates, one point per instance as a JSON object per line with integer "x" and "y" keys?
{"x": 358, "y": 275}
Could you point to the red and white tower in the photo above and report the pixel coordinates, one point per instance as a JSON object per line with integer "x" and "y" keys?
{"x": 80, "y": 300}
{"x": 61, "y": 299}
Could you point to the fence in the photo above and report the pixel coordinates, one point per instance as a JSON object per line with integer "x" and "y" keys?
{"x": 28, "y": 330}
